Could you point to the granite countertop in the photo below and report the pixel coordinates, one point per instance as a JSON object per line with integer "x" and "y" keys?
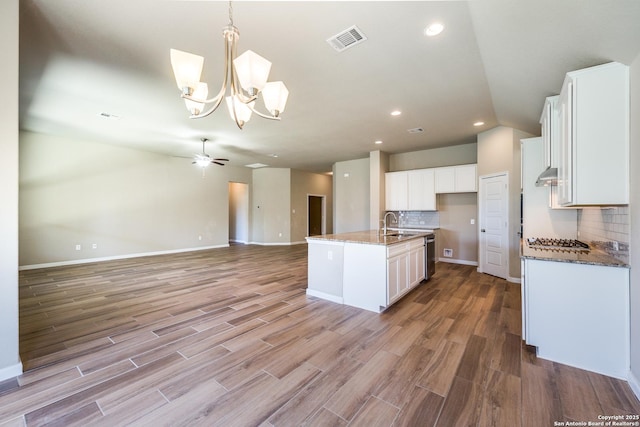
{"x": 593, "y": 257}
{"x": 369, "y": 237}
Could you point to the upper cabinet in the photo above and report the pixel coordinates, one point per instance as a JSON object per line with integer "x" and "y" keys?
{"x": 396, "y": 195}
{"x": 410, "y": 190}
{"x": 422, "y": 195}
{"x": 415, "y": 190}
{"x": 594, "y": 136}
{"x": 457, "y": 179}
{"x": 549, "y": 122}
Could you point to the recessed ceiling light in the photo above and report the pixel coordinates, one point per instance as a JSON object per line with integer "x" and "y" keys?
{"x": 434, "y": 29}
{"x": 396, "y": 112}
{"x": 378, "y": 142}
{"x": 273, "y": 155}
{"x": 478, "y": 123}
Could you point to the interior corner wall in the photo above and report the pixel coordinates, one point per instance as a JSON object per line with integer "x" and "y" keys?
{"x": 378, "y": 166}
{"x": 456, "y": 231}
{"x": 10, "y": 365}
{"x": 304, "y": 184}
{"x": 130, "y": 203}
{"x": 271, "y": 206}
{"x": 634, "y": 208}
{"x": 499, "y": 151}
{"x": 351, "y": 192}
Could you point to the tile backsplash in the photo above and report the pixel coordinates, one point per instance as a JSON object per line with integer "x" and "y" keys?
{"x": 415, "y": 219}
{"x": 607, "y": 227}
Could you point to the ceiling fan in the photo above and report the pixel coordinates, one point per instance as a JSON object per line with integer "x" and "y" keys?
{"x": 203, "y": 160}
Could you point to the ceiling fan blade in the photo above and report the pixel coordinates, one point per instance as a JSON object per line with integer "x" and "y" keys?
{"x": 222, "y": 160}
{"x": 218, "y": 163}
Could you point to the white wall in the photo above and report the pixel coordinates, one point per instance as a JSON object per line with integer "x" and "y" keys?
{"x": 271, "y": 206}
{"x": 10, "y": 365}
{"x": 634, "y": 208}
{"x": 378, "y": 166}
{"x": 351, "y": 191}
{"x": 126, "y": 202}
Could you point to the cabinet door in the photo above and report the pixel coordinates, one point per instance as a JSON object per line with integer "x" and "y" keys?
{"x": 396, "y": 191}
{"x": 466, "y": 179}
{"x": 393, "y": 277}
{"x": 445, "y": 180}
{"x": 416, "y": 267}
{"x": 421, "y": 194}
{"x": 565, "y": 107}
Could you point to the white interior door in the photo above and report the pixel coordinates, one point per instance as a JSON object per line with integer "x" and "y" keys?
{"x": 494, "y": 225}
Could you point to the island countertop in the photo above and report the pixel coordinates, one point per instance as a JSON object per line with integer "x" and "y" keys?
{"x": 370, "y": 237}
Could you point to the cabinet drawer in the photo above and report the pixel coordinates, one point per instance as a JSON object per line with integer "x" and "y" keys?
{"x": 398, "y": 249}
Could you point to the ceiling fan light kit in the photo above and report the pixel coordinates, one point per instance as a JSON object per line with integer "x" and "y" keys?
{"x": 203, "y": 160}
{"x": 245, "y": 78}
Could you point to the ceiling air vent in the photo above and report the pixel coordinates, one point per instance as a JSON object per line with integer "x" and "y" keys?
{"x": 347, "y": 38}
{"x": 415, "y": 130}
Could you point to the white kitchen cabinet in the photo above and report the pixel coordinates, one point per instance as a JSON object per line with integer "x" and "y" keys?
{"x": 456, "y": 179}
{"x": 397, "y": 276}
{"x": 421, "y": 190}
{"x": 410, "y": 190}
{"x": 417, "y": 271}
{"x": 578, "y": 314}
{"x": 376, "y": 276}
{"x": 396, "y": 191}
{"x": 594, "y": 135}
{"x": 549, "y": 123}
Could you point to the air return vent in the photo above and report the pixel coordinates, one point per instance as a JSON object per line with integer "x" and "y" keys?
{"x": 347, "y": 38}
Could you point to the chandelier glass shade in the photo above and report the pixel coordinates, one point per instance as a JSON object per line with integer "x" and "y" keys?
{"x": 245, "y": 79}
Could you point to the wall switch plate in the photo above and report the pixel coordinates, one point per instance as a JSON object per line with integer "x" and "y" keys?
{"x": 94, "y": 246}
{"x": 472, "y": 221}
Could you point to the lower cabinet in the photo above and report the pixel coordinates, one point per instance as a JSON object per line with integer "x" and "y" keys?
{"x": 376, "y": 276}
{"x": 578, "y": 314}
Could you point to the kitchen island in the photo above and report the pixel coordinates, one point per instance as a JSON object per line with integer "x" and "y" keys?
{"x": 365, "y": 269}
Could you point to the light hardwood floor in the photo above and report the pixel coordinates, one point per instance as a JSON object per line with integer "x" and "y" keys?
{"x": 228, "y": 337}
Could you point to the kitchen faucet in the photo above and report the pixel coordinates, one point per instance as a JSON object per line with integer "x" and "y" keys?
{"x": 384, "y": 221}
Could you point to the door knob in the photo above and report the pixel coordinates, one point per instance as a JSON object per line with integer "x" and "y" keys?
{"x": 483, "y": 230}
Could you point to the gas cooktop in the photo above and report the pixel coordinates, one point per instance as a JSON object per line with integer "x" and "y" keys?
{"x": 571, "y": 245}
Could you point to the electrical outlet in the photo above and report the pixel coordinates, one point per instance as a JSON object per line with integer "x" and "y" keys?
{"x": 279, "y": 234}
{"x": 329, "y": 255}
{"x": 199, "y": 237}
{"x": 472, "y": 221}
{"x": 78, "y": 247}
{"x": 94, "y": 246}
{"x": 448, "y": 253}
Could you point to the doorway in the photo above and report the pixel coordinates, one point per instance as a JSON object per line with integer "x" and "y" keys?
{"x": 238, "y": 212}
{"x": 316, "y": 215}
{"x": 494, "y": 225}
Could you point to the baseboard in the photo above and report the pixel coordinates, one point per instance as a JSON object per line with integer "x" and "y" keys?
{"x": 457, "y": 261}
{"x": 514, "y": 279}
{"x": 634, "y": 383}
{"x": 278, "y": 243}
{"x": 325, "y": 296}
{"x": 11, "y": 371}
{"x": 244, "y": 242}
{"x": 116, "y": 257}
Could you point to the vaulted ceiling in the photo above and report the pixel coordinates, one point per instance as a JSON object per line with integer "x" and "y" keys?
{"x": 495, "y": 62}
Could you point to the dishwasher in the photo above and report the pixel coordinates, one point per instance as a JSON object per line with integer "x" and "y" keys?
{"x": 430, "y": 255}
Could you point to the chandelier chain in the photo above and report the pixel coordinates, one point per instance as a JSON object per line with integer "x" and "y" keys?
{"x": 230, "y": 14}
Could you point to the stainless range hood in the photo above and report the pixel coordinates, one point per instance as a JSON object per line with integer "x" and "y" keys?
{"x": 548, "y": 177}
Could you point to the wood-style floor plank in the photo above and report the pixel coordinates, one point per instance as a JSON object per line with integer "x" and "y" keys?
{"x": 229, "y": 337}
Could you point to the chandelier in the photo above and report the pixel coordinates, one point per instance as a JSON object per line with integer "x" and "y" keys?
{"x": 245, "y": 78}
